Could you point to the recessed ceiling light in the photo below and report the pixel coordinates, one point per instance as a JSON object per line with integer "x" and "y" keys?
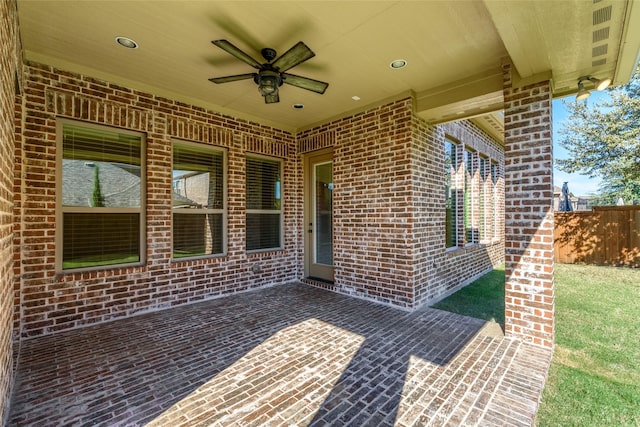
{"x": 398, "y": 63}
{"x": 355, "y": 98}
{"x": 126, "y": 42}
{"x": 298, "y": 106}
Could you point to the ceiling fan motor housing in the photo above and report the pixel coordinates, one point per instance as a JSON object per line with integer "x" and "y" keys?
{"x": 268, "y": 54}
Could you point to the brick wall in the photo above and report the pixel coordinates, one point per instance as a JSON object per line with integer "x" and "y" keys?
{"x": 389, "y": 243}
{"x": 529, "y": 289}
{"x": 441, "y": 271}
{"x": 371, "y": 202}
{"x": 52, "y": 301}
{"x": 372, "y": 205}
{"x": 389, "y": 194}
{"x": 9, "y": 69}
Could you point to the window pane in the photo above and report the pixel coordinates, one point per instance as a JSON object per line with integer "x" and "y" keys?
{"x": 471, "y": 232}
{"x": 100, "y": 168}
{"x": 198, "y": 180}
{"x": 91, "y": 144}
{"x": 100, "y": 184}
{"x": 481, "y": 199}
{"x": 494, "y": 199}
{"x": 263, "y": 231}
{"x": 450, "y": 165}
{"x": 263, "y": 189}
{"x": 197, "y": 235}
{"x": 323, "y": 184}
{"x": 198, "y": 183}
{"x": 92, "y": 239}
{"x": 263, "y": 184}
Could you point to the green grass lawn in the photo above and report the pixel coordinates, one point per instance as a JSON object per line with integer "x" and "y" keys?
{"x": 594, "y": 379}
{"x": 483, "y": 299}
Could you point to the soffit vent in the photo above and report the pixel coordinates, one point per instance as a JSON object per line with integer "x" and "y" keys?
{"x": 599, "y": 50}
{"x": 601, "y": 34}
{"x": 596, "y": 1}
{"x": 599, "y": 62}
{"x": 602, "y": 15}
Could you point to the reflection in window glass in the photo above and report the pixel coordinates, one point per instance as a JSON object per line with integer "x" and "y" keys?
{"x": 198, "y": 200}
{"x": 323, "y": 198}
{"x": 101, "y": 195}
{"x": 264, "y": 203}
{"x": 470, "y": 226}
{"x": 450, "y": 167}
{"x": 483, "y": 206}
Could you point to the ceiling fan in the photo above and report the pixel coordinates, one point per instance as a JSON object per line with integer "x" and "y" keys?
{"x": 272, "y": 74}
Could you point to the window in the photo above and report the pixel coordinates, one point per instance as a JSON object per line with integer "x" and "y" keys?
{"x": 494, "y": 200}
{"x": 100, "y": 197}
{"x": 484, "y": 207}
{"x": 451, "y": 218}
{"x": 470, "y": 210}
{"x": 264, "y": 203}
{"x": 199, "y": 211}
{"x": 472, "y": 199}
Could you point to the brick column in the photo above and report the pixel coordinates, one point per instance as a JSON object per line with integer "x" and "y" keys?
{"x": 529, "y": 290}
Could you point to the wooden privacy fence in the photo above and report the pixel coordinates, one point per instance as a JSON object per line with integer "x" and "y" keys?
{"x": 607, "y": 235}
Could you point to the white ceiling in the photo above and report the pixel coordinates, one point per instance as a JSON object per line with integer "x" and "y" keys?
{"x": 454, "y": 49}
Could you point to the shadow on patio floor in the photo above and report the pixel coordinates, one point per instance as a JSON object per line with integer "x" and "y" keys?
{"x": 289, "y": 355}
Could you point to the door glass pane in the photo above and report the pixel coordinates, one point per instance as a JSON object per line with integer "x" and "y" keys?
{"x": 323, "y": 185}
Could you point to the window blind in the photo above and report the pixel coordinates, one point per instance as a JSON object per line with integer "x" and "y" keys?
{"x": 264, "y": 203}
{"x": 198, "y": 200}
{"x": 101, "y": 197}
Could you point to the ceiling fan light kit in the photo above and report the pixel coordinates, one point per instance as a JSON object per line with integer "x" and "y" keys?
{"x": 272, "y": 74}
{"x": 268, "y": 82}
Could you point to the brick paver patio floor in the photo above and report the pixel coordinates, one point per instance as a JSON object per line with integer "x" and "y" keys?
{"x": 289, "y": 355}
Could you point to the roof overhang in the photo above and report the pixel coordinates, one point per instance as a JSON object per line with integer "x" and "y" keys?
{"x": 455, "y": 50}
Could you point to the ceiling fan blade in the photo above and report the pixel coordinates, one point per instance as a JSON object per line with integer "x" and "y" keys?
{"x": 272, "y": 99}
{"x": 235, "y": 51}
{"x": 305, "y": 83}
{"x": 228, "y": 79}
{"x": 299, "y": 53}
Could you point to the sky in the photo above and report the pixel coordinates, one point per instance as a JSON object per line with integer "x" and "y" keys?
{"x": 579, "y": 185}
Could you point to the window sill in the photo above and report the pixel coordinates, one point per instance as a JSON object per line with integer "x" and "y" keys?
{"x": 265, "y": 252}
{"x": 454, "y": 251}
{"x": 100, "y": 268}
{"x": 468, "y": 248}
{"x": 198, "y": 258}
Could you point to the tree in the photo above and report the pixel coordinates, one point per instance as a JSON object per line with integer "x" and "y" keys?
{"x": 603, "y": 140}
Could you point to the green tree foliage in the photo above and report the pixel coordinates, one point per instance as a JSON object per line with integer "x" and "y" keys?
{"x": 97, "y": 199}
{"x": 603, "y": 140}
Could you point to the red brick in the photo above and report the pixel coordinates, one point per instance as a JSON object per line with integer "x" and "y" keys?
{"x": 529, "y": 242}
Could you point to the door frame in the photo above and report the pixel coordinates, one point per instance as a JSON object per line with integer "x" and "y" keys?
{"x": 315, "y": 271}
